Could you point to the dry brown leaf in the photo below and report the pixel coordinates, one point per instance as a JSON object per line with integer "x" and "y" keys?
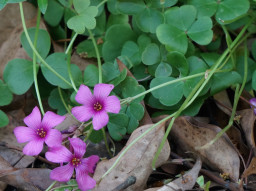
{"x": 135, "y": 162}
{"x": 222, "y": 101}
{"x": 12, "y": 48}
{"x": 251, "y": 169}
{"x": 186, "y": 182}
{"x": 221, "y": 156}
{"x": 10, "y": 18}
{"x": 247, "y": 123}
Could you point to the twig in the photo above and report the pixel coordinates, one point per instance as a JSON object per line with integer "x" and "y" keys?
{"x": 128, "y": 182}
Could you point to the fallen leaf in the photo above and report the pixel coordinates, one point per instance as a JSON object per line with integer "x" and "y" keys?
{"x": 185, "y": 182}
{"x": 10, "y": 18}
{"x": 251, "y": 168}
{"x": 135, "y": 162}
{"x": 247, "y": 123}
{"x": 223, "y": 102}
{"x": 189, "y": 134}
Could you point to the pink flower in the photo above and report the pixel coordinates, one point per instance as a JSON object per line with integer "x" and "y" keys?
{"x": 39, "y": 131}
{"x": 96, "y": 106}
{"x": 253, "y": 102}
{"x": 83, "y": 166}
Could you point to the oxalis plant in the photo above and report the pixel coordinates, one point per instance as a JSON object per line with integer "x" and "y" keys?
{"x": 179, "y": 52}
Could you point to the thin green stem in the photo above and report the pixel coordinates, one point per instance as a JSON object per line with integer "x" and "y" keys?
{"x": 132, "y": 143}
{"x": 236, "y": 99}
{"x": 166, "y": 84}
{"x": 68, "y": 52}
{"x": 34, "y": 63}
{"x": 106, "y": 142}
{"x": 50, "y": 187}
{"x": 97, "y": 54}
{"x": 196, "y": 91}
{"x": 35, "y": 51}
{"x": 71, "y": 43}
{"x": 63, "y": 101}
{"x": 88, "y": 134}
{"x": 101, "y": 3}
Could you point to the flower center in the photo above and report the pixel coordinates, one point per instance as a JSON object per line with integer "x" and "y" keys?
{"x": 41, "y": 132}
{"x": 76, "y": 161}
{"x": 97, "y": 106}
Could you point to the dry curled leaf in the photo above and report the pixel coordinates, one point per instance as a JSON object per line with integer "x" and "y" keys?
{"x": 185, "y": 182}
{"x": 247, "y": 123}
{"x": 135, "y": 162}
{"x": 221, "y": 156}
{"x": 251, "y": 169}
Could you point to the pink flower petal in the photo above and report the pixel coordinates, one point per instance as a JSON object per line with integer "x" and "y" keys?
{"x": 24, "y": 134}
{"x": 100, "y": 119}
{"x": 53, "y": 138}
{"x": 89, "y": 164}
{"x": 84, "y": 96}
{"x": 112, "y": 104}
{"x": 82, "y": 113}
{"x": 51, "y": 120}
{"x": 78, "y": 146}
{"x": 59, "y": 154}
{"x": 62, "y": 173}
{"x": 253, "y": 101}
{"x": 34, "y": 147}
{"x": 84, "y": 181}
{"x": 33, "y": 120}
{"x": 102, "y": 90}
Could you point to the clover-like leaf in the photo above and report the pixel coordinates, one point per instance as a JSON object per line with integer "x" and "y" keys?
{"x": 5, "y": 94}
{"x": 151, "y": 54}
{"x": 4, "y": 120}
{"x": 85, "y": 18}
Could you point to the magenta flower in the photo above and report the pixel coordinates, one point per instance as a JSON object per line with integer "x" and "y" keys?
{"x": 96, "y": 106}
{"x": 82, "y": 166}
{"x": 253, "y": 102}
{"x": 39, "y": 131}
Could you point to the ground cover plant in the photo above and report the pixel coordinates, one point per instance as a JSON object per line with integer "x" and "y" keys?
{"x": 128, "y": 94}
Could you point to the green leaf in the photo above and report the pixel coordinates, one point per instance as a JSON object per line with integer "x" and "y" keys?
{"x": 149, "y": 19}
{"x": 96, "y": 136}
{"x": 117, "y": 125}
{"x": 43, "y": 42}
{"x": 86, "y": 49}
{"x": 204, "y": 7}
{"x": 4, "y": 120}
{"x": 115, "y": 38}
{"x": 110, "y": 71}
{"x": 151, "y": 54}
{"x": 130, "y": 7}
{"x": 55, "y": 102}
{"x": 223, "y": 80}
{"x": 54, "y": 13}
{"x": 130, "y": 88}
{"x": 163, "y": 3}
{"x": 196, "y": 63}
{"x": 172, "y": 37}
{"x": 181, "y": 17}
{"x": 86, "y": 19}
{"x": 140, "y": 72}
{"x": 117, "y": 19}
{"x": 200, "y": 31}
{"x": 91, "y": 75}
{"x": 42, "y": 4}
{"x": 136, "y": 109}
{"x": 119, "y": 78}
{"x": 18, "y": 74}
{"x": 163, "y": 70}
{"x": 254, "y": 80}
{"x": 58, "y": 62}
{"x": 231, "y": 9}
{"x": 167, "y": 95}
{"x": 250, "y": 68}
{"x": 254, "y": 49}
{"x": 178, "y": 61}
{"x": 81, "y": 5}
{"x": 194, "y": 108}
{"x": 143, "y": 41}
{"x": 131, "y": 51}
{"x": 5, "y": 94}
